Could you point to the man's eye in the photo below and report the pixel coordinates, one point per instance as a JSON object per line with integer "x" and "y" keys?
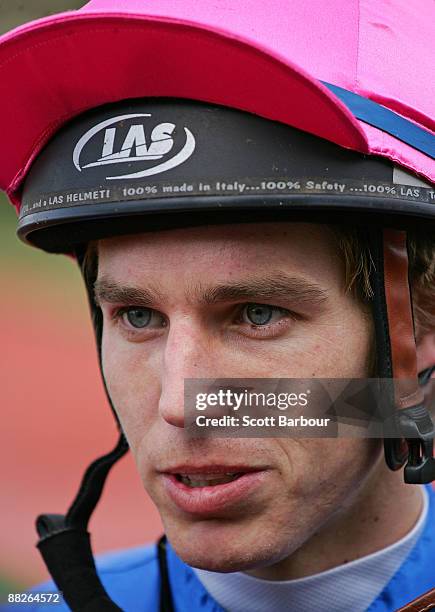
{"x": 261, "y": 314}
{"x": 137, "y": 317}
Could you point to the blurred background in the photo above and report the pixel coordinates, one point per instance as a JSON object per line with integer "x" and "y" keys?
{"x": 56, "y": 418}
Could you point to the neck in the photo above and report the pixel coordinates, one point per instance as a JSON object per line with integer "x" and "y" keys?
{"x": 382, "y": 513}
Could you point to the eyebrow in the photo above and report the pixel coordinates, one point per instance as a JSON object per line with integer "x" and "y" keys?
{"x": 272, "y": 287}
{"x": 108, "y": 290}
{"x": 276, "y": 286}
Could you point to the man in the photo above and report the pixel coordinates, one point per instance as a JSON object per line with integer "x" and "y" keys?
{"x": 217, "y": 241}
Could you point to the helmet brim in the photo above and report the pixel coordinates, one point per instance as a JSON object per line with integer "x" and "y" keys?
{"x": 60, "y": 66}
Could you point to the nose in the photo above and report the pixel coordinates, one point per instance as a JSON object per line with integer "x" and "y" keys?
{"x": 187, "y": 354}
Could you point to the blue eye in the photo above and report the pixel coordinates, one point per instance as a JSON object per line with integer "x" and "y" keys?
{"x": 138, "y": 317}
{"x": 258, "y": 314}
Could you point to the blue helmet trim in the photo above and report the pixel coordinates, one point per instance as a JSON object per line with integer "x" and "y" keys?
{"x": 386, "y": 120}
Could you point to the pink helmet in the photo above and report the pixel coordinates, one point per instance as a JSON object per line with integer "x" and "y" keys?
{"x": 286, "y": 61}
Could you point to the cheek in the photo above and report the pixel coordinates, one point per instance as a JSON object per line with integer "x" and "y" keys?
{"x": 133, "y": 386}
{"x": 322, "y": 475}
{"x": 344, "y": 460}
{"x": 344, "y": 347}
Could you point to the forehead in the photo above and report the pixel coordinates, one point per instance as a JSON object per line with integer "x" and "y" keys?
{"x": 222, "y": 251}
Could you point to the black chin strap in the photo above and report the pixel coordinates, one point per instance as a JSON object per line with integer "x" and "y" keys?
{"x": 65, "y": 542}
{"x": 166, "y": 603}
{"x": 66, "y": 548}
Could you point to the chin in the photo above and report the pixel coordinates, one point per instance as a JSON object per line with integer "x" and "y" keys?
{"x": 225, "y": 548}
{"x": 220, "y": 559}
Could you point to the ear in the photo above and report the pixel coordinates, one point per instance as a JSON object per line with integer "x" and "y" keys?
{"x": 426, "y": 351}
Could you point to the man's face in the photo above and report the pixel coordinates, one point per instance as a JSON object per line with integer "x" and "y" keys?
{"x": 184, "y": 304}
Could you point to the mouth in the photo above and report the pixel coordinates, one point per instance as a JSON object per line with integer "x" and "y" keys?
{"x": 207, "y": 480}
{"x": 211, "y": 489}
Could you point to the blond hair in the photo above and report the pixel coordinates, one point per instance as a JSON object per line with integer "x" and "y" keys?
{"x": 353, "y": 245}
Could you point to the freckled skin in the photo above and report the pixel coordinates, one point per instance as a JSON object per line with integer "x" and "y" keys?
{"x": 320, "y": 495}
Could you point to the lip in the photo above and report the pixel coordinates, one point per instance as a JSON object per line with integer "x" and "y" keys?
{"x": 214, "y": 468}
{"x": 212, "y": 499}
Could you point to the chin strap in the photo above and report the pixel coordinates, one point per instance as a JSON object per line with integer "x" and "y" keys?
{"x": 409, "y": 430}
{"x": 65, "y": 542}
{"x": 166, "y": 603}
{"x": 66, "y": 548}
